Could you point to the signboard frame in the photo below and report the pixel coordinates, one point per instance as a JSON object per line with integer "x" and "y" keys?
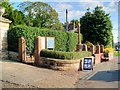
{"x": 48, "y": 43}
{"x": 42, "y": 42}
{"x": 89, "y": 64}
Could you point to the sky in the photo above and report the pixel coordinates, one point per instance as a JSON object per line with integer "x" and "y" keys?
{"x": 77, "y": 8}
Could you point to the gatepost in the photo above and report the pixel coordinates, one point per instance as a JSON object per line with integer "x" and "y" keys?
{"x": 37, "y": 50}
{"x": 97, "y": 49}
{"x": 101, "y": 48}
{"x": 97, "y": 54}
{"x": 21, "y": 49}
{"x": 84, "y": 48}
{"x": 92, "y": 49}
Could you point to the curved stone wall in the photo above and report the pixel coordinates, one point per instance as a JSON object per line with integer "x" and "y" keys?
{"x": 58, "y": 64}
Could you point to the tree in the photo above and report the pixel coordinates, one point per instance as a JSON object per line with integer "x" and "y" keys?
{"x": 96, "y": 27}
{"x": 15, "y": 16}
{"x": 76, "y": 22}
{"x": 8, "y": 8}
{"x": 39, "y": 14}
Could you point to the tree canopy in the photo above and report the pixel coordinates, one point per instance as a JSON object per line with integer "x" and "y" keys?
{"x": 15, "y": 16}
{"x": 35, "y": 14}
{"x": 76, "y": 22}
{"x": 39, "y": 14}
{"x": 96, "y": 27}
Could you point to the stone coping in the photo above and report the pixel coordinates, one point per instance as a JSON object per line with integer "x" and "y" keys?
{"x": 5, "y": 20}
{"x": 62, "y": 61}
{"x": 66, "y": 60}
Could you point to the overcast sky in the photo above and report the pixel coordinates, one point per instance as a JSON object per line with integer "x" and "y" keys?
{"x": 77, "y": 8}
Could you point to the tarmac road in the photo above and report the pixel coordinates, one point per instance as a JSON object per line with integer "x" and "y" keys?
{"x": 19, "y": 75}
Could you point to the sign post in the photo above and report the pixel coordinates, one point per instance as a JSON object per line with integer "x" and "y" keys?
{"x": 87, "y": 64}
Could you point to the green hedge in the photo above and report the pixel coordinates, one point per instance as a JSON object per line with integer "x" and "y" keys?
{"x": 64, "y": 41}
{"x": 116, "y": 53}
{"x": 64, "y": 55}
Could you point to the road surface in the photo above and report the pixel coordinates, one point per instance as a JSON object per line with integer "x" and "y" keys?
{"x": 19, "y": 75}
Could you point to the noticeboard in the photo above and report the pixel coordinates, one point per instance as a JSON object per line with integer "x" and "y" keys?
{"x": 50, "y": 43}
{"x": 87, "y": 64}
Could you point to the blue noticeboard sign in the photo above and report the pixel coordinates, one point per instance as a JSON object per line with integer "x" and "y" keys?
{"x": 50, "y": 42}
{"x": 87, "y": 64}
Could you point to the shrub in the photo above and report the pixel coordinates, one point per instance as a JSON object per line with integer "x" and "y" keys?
{"x": 64, "y": 55}
{"x": 64, "y": 41}
{"x": 116, "y": 53}
{"x": 109, "y": 50}
{"x": 88, "y": 44}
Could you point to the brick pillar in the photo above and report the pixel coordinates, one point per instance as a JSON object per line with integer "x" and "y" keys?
{"x": 37, "y": 50}
{"x": 22, "y": 49}
{"x": 92, "y": 50}
{"x": 101, "y": 48}
{"x": 79, "y": 40}
{"x": 97, "y": 49}
{"x": 84, "y": 48}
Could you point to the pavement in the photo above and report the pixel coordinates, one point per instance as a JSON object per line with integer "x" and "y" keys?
{"x": 104, "y": 75}
{"x": 19, "y": 75}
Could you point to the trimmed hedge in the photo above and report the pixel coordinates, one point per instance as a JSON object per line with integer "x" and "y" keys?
{"x": 64, "y": 41}
{"x": 64, "y": 55}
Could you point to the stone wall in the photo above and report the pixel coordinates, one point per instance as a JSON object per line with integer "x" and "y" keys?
{"x": 4, "y": 26}
{"x": 3, "y": 55}
{"x": 57, "y": 64}
{"x": 8, "y": 55}
{"x": 12, "y": 55}
{"x": 111, "y": 55}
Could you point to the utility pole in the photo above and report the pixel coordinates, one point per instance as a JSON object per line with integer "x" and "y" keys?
{"x": 66, "y": 20}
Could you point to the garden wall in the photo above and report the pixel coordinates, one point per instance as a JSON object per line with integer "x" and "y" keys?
{"x": 4, "y": 26}
{"x": 58, "y": 64}
{"x": 9, "y": 55}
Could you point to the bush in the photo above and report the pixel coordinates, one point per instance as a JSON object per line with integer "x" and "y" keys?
{"x": 88, "y": 44}
{"x": 109, "y": 50}
{"x": 64, "y": 41}
{"x": 64, "y": 55}
{"x": 116, "y": 53}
